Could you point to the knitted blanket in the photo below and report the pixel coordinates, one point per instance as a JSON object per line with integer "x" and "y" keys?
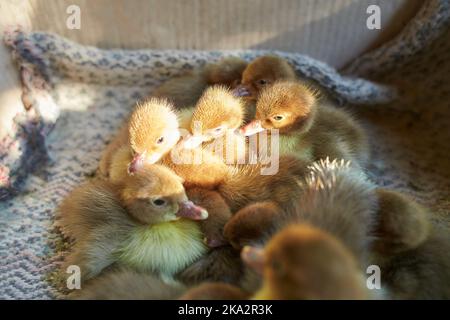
{"x": 75, "y": 98}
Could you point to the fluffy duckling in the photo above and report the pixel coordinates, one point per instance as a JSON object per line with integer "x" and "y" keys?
{"x": 227, "y": 71}
{"x": 331, "y": 196}
{"x": 150, "y": 133}
{"x": 126, "y": 284}
{"x": 134, "y": 224}
{"x": 212, "y": 123}
{"x": 249, "y": 183}
{"x": 197, "y": 167}
{"x": 307, "y": 128}
{"x": 244, "y": 185}
{"x": 262, "y": 72}
{"x": 377, "y": 226}
{"x": 214, "y": 263}
{"x": 216, "y": 112}
{"x": 303, "y": 262}
{"x": 184, "y": 91}
{"x": 422, "y": 272}
{"x": 402, "y": 223}
{"x": 341, "y": 200}
{"x": 252, "y": 223}
{"x": 218, "y": 215}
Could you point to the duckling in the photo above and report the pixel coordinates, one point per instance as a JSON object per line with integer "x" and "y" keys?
{"x": 378, "y": 226}
{"x": 307, "y": 128}
{"x": 150, "y": 133}
{"x": 218, "y": 215}
{"x": 395, "y": 223}
{"x": 198, "y": 167}
{"x": 331, "y": 196}
{"x": 184, "y": 91}
{"x": 217, "y": 111}
{"x": 277, "y": 182}
{"x": 244, "y": 185}
{"x": 262, "y": 72}
{"x": 420, "y": 273}
{"x": 409, "y": 249}
{"x": 133, "y": 224}
{"x": 126, "y": 284}
{"x": 213, "y": 121}
{"x": 402, "y": 223}
{"x": 304, "y": 262}
{"x": 215, "y": 291}
{"x": 149, "y": 144}
{"x": 252, "y": 223}
{"x": 227, "y": 71}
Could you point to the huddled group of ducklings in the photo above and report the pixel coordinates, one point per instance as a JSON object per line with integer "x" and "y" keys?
{"x": 152, "y": 227}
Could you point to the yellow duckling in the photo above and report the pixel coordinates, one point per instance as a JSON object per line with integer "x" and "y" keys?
{"x": 149, "y": 134}
{"x": 212, "y": 123}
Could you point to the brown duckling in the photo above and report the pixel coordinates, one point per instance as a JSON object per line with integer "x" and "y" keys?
{"x": 378, "y": 226}
{"x": 303, "y": 262}
{"x": 185, "y": 90}
{"x": 422, "y": 272}
{"x": 252, "y": 224}
{"x": 218, "y": 215}
{"x": 277, "y": 182}
{"x": 262, "y": 72}
{"x": 307, "y": 128}
{"x": 133, "y": 224}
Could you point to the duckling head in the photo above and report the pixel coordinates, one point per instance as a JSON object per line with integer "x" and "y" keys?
{"x": 302, "y": 262}
{"x": 153, "y": 131}
{"x": 216, "y": 112}
{"x": 155, "y": 194}
{"x": 287, "y": 106}
{"x": 261, "y": 73}
{"x": 227, "y": 71}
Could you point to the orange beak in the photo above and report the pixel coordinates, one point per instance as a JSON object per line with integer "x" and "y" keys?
{"x": 252, "y": 128}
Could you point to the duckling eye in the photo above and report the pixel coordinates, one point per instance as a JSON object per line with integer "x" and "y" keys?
{"x": 278, "y": 118}
{"x": 159, "y": 202}
{"x": 262, "y": 82}
{"x": 160, "y": 140}
{"x": 218, "y": 129}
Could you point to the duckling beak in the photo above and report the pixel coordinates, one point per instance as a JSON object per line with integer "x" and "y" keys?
{"x": 254, "y": 258}
{"x": 191, "y": 141}
{"x": 241, "y": 91}
{"x": 136, "y": 163}
{"x": 191, "y": 211}
{"x": 252, "y": 128}
{"x": 140, "y": 159}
